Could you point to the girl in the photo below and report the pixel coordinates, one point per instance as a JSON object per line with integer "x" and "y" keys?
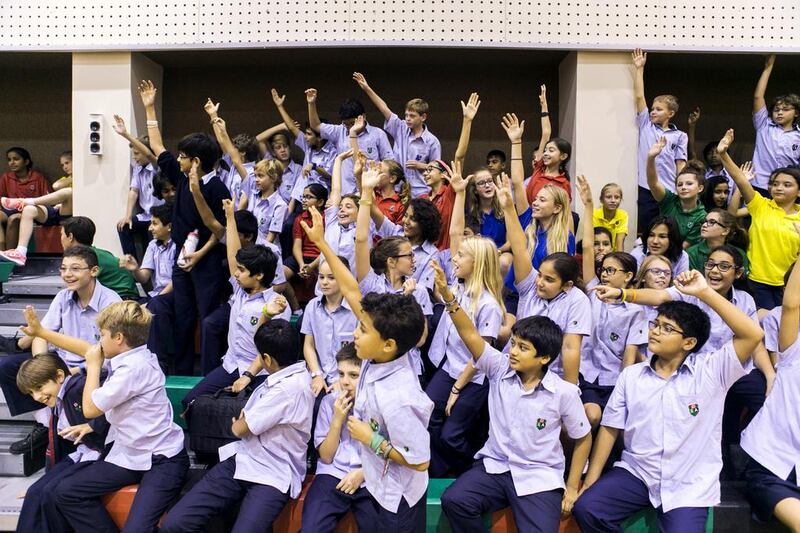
{"x": 716, "y": 193}
{"x": 655, "y": 273}
{"x": 265, "y": 202}
{"x": 601, "y": 246}
{"x": 20, "y": 181}
{"x": 610, "y": 216}
{"x": 305, "y": 256}
{"x": 550, "y": 168}
{"x": 774, "y": 239}
{"x": 483, "y": 208}
{"x": 662, "y": 237}
{"x": 719, "y": 227}
{"x": 340, "y": 216}
{"x": 685, "y": 206}
{"x": 547, "y": 225}
{"x": 437, "y": 177}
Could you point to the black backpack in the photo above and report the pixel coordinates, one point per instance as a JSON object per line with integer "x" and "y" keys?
{"x": 209, "y": 420}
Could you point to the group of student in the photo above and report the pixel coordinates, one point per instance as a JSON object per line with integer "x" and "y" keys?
{"x": 456, "y": 329}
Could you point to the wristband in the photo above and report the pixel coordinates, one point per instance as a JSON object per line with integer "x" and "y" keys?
{"x": 375, "y": 442}
{"x": 454, "y": 309}
{"x": 518, "y": 142}
{"x": 455, "y": 390}
{"x": 622, "y": 295}
{"x": 633, "y": 296}
{"x": 545, "y": 114}
{"x": 451, "y": 302}
{"x": 387, "y": 450}
{"x": 265, "y": 311}
{"x": 316, "y": 374}
{"x": 248, "y": 374}
{"x": 152, "y": 123}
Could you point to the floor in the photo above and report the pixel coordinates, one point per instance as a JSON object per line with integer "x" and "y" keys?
{"x": 10, "y": 490}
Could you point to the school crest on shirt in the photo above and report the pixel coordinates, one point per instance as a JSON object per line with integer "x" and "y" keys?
{"x": 614, "y": 337}
{"x": 794, "y": 147}
{"x": 694, "y": 409}
{"x": 78, "y": 407}
{"x": 541, "y": 423}
{"x": 253, "y": 320}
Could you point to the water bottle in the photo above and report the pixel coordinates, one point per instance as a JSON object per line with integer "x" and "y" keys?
{"x": 189, "y": 247}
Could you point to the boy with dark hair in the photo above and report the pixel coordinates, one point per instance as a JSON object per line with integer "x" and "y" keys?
{"x": 496, "y": 162}
{"x": 391, "y": 412}
{"x": 670, "y": 410}
{"x": 267, "y": 466}
{"x": 159, "y": 255}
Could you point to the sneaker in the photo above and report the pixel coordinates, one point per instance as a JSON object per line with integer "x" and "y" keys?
{"x": 14, "y": 256}
{"x": 12, "y": 203}
{"x": 37, "y": 438}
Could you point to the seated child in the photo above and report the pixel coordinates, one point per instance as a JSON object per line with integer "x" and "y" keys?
{"x": 610, "y": 216}
{"x": 267, "y": 466}
{"x": 21, "y": 181}
{"x": 159, "y": 256}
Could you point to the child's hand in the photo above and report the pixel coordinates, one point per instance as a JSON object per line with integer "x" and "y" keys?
{"x": 470, "y": 109}
{"x": 409, "y": 286}
{"x": 360, "y": 80}
{"x": 351, "y": 482}
{"x": 190, "y": 261}
{"x": 371, "y": 176}
{"x": 416, "y": 165}
{"x": 240, "y": 384}
{"x": 514, "y": 128}
{"x": 440, "y": 281}
{"x": 318, "y": 385}
{"x": 194, "y": 178}
{"x": 503, "y": 192}
{"x": 218, "y": 122}
{"x": 311, "y": 95}
{"x": 568, "y": 501}
{"x": 345, "y": 155}
{"x": 75, "y": 433}
{"x": 341, "y": 406}
{"x": 236, "y": 419}
{"x": 277, "y": 305}
{"x": 124, "y": 221}
{"x": 307, "y": 170}
{"x": 639, "y": 58}
{"x": 657, "y": 147}
{"x": 543, "y": 96}
{"x": 359, "y": 430}
{"x": 276, "y": 99}
{"x": 94, "y": 356}
{"x": 607, "y": 294}
{"x": 358, "y": 164}
{"x": 358, "y": 125}
{"x": 769, "y": 61}
{"x": 694, "y": 116}
{"x": 34, "y": 327}
{"x": 147, "y": 92}
{"x": 585, "y": 190}
{"x": 316, "y": 233}
{"x": 119, "y": 125}
{"x": 128, "y": 262}
{"x": 211, "y": 108}
{"x": 748, "y": 170}
{"x": 457, "y": 181}
{"x": 726, "y": 142}
{"x": 451, "y": 401}
{"x": 691, "y": 282}
{"x": 228, "y": 208}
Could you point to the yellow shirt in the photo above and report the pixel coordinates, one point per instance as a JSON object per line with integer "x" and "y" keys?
{"x": 617, "y": 225}
{"x": 774, "y": 243}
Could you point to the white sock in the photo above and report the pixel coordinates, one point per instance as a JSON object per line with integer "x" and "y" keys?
{"x": 23, "y": 250}
{"x": 42, "y": 416}
{"x": 28, "y": 201}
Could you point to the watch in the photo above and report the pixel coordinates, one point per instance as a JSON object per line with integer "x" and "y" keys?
{"x": 248, "y": 374}
{"x": 316, "y": 374}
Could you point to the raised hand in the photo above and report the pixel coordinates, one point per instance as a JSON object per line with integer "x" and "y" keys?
{"x": 34, "y": 326}
{"x": 657, "y": 147}
{"x": 639, "y": 58}
{"x": 371, "y": 175}
{"x": 470, "y": 109}
{"x": 147, "y": 92}
{"x": 440, "y": 281}
{"x": 585, "y": 190}
{"x": 194, "y": 178}
{"x": 694, "y": 116}
{"x": 360, "y": 80}
{"x": 211, "y": 108}
{"x": 457, "y": 181}
{"x": 119, "y": 126}
{"x": 726, "y": 142}
{"x": 277, "y": 99}
{"x": 543, "y": 96}
{"x": 345, "y": 155}
{"x": 316, "y": 233}
{"x": 514, "y": 128}
{"x": 691, "y": 282}
{"x": 358, "y": 125}
{"x": 748, "y": 170}
{"x": 228, "y": 208}
{"x": 277, "y": 305}
{"x": 311, "y": 95}
{"x": 769, "y": 61}
{"x": 503, "y": 192}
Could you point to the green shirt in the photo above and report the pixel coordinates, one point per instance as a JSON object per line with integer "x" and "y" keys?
{"x": 115, "y": 278}
{"x": 698, "y": 255}
{"x": 688, "y": 222}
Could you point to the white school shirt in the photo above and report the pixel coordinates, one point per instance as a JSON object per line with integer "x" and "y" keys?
{"x": 682, "y": 265}
{"x": 773, "y": 436}
{"x": 390, "y": 399}
{"x": 676, "y": 149}
{"x": 673, "y": 427}
{"x": 270, "y": 212}
{"x": 775, "y": 148}
{"x": 423, "y": 148}
{"x": 424, "y": 254}
{"x": 331, "y": 330}
{"x": 771, "y": 324}
{"x": 136, "y": 406}
{"x": 278, "y": 415}
{"x": 447, "y": 342}
{"x": 142, "y": 180}
{"x": 348, "y": 454}
{"x": 525, "y": 426}
{"x": 160, "y": 258}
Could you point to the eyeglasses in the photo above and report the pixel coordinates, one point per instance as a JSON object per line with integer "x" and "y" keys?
{"x": 660, "y": 272}
{"x": 666, "y": 329}
{"x": 182, "y": 156}
{"x": 403, "y": 255}
{"x": 484, "y": 183}
{"x": 722, "y": 267}
{"x": 72, "y": 269}
{"x": 432, "y": 168}
{"x": 711, "y": 222}
{"x": 309, "y": 197}
{"x": 610, "y": 270}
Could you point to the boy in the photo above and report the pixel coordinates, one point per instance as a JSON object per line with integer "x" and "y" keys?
{"x": 522, "y": 463}
{"x": 496, "y": 162}
{"x": 196, "y": 292}
{"x": 372, "y": 141}
{"x": 651, "y": 128}
{"x": 670, "y": 409}
{"x": 159, "y": 255}
{"x": 391, "y": 412}
{"x": 414, "y": 145}
{"x": 338, "y": 485}
{"x": 266, "y": 467}
{"x": 47, "y": 379}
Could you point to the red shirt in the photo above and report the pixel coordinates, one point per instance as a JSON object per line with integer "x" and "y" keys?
{"x": 539, "y": 180}
{"x": 444, "y": 204}
{"x": 391, "y": 206}
{"x": 34, "y": 186}
{"x": 307, "y": 247}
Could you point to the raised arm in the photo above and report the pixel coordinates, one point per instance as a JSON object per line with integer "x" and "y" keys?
{"x": 514, "y": 129}
{"x": 587, "y": 249}
{"x": 790, "y": 318}
{"x": 691, "y": 131}
{"x": 763, "y": 81}
{"x": 373, "y": 96}
{"x": 457, "y": 223}
{"x": 147, "y": 92}
{"x": 466, "y": 329}
{"x": 336, "y": 179}
{"x": 639, "y": 59}
{"x": 122, "y": 131}
{"x": 515, "y": 235}
{"x": 37, "y": 331}
{"x": 739, "y": 177}
{"x": 652, "y": 297}
{"x": 206, "y": 215}
{"x": 547, "y": 128}
{"x": 313, "y": 116}
{"x": 232, "y": 242}
{"x": 369, "y": 181}
{"x": 269, "y": 132}
{"x": 470, "y": 109}
{"x": 224, "y": 140}
{"x": 656, "y": 188}
{"x": 287, "y": 120}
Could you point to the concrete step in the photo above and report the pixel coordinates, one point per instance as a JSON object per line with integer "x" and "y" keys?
{"x": 33, "y": 285}
{"x": 11, "y": 312}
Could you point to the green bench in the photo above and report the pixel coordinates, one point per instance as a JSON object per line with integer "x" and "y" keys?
{"x": 177, "y": 387}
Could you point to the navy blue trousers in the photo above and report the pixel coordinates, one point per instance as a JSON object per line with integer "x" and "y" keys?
{"x": 127, "y": 237}
{"x": 39, "y": 511}
{"x": 325, "y": 506}
{"x": 477, "y": 492}
{"x": 648, "y": 210}
{"x": 766, "y": 296}
{"x": 748, "y": 392}
{"x": 214, "y": 335}
{"x": 619, "y": 494}
{"x": 78, "y": 496}
{"x": 161, "y": 327}
{"x": 18, "y": 403}
{"x": 405, "y": 520}
{"x": 451, "y": 449}
{"x": 260, "y": 504}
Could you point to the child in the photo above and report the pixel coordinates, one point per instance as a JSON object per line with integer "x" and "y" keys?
{"x": 340, "y": 216}
{"x": 662, "y": 237}
{"x": 719, "y": 227}
{"x": 655, "y": 272}
{"x": 778, "y": 135}
{"x": 266, "y": 203}
{"x": 390, "y": 413}
{"x": 338, "y": 485}
{"x": 716, "y": 193}
{"x": 602, "y": 245}
{"x": 159, "y": 256}
{"x": 496, "y": 162}
{"x": 414, "y": 145}
{"x": 522, "y": 464}
{"x": 280, "y": 151}
{"x": 483, "y": 208}
{"x": 240, "y": 157}
{"x": 266, "y": 467}
{"x": 163, "y": 189}
{"x": 65, "y": 162}
{"x": 442, "y": 195}
{"x": 21, "y": 181}
{"x": 652, "y": 127}
{"x": 305, "y": 256}
{"x": 669, "y": 409}
{"x": 610, "y": 216}
{"x": 683, "y": 205}
{"x": 147, "y": 445}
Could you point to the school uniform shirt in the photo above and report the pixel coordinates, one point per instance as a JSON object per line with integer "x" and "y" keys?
{"x": 347, "y": 457}
{"x": 372, "y": 141}
{"x": 689, "y": 222}
{"x": 424, "y": 254}
{"x": 493, "y": 228}
{"x": 278, "y": 415}
{"x": 618, "y": 224}
{"x": 135, "y": 403}
{"x": 36, "y": 185}
{"x": 539, "y": 180}
{"x": 391, "y": 206}
{"x": 331, "y": 330}
{"x": 672, "y": 427}
{"x": 142, "y": 180}
{"x": 681, "y": 265}
{"x": 677, "y": 144}
{"x": 65, "y": 315}
{"x": 423, "y": 148}
{"x": 771, "y": 324}
{"x": 83, "y": 452}
{"x": 447, "y": 343}
{"x": 698, "y": 255}
{"x": 525, "y": 425}
{"x": 710, "y": 173}
{"x": 246, "y": 310}
{"x": 773, "y": 437}
{"x": 616, "y": 326}
{"x": 390, "y": 399}
{"x": 323, "y": 158}
{"x": 540, "y": 252}
{"x": 270, "y": 212}
{"x": 443, "y": 201}
{"x": 775, "y": 148}
{"x": 291, "y": 174}
{"x": 774, "y": 243}
{"x": 159, "y": 257}
{"x": 233, "y": 180}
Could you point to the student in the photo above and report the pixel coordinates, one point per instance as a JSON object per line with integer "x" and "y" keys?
{"x": 442, "y": 195}
{"x": 719, "y": 227}
{"x": 338, "y": 485}
{"x": 655, "y": 272}
{"x": 77, "y": 441}
{"x": 390, "y": 412}
{"x": 414, "y": 145}
{"x": 676, "y": 470}
{"x": 240, "y": 156}
{"x": 774, "y": 241}
{"x": 684, "y": 204}
{"x": 547, "y": 224}
{"x": 483, "y": 209}
{"x": 602, "y": 245}
{"x": 610, "y": 216}
{"x": 266, "y": 203}
{"x": 21, "y": 181}
{"x": 550, "y": 159}
{"x": 772, "y": 437}
{"x": 662, "y": 237}
{"x": 159, "y": 255}
{"x": 708, "y": 156}
{"x": 149, "y": 454}
{"x": 279, "y": 150}
{"x": 305, "y": 256}
{"x": 267, "y": 466}
{"x": 468, "y": 110}
{"x": 340, "y": 216}
{"x": 652, "y": 127}
{"x": 65, "y": 162}
{"x": 777, "y": 131}
{"x": 522, "y": 464}
{"x": 140, "y": 193}
{"x": 196, "y": 292}
{"x": 372, "y": 141}
{"x": 163, "y": 189}
{"x": 496, "y": 162}
{"x": 716, "y": 193}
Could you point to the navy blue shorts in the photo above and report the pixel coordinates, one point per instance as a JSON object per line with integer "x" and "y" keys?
{"x": 54, "y": 217}
{"x": 765, "y": 490}
{"x": 593, "y": 392}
